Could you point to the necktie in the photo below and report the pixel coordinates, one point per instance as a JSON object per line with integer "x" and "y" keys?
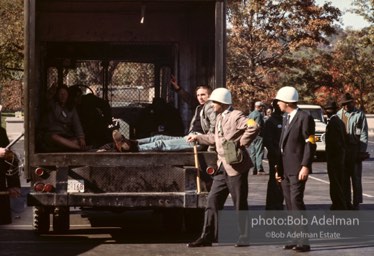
{"x": 287, "y": 121}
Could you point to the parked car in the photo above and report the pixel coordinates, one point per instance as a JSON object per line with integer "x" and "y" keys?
{"x": 316, "y": 112}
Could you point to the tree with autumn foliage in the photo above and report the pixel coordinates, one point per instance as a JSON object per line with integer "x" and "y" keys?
{"x": 353, "y": 58}
{"x": 11, "y": 37}
{"x": 352, "y": 61}
{"x": 364, "y": 8}
{"x": 262, "y": 35}
{"x": 11, "y": 53}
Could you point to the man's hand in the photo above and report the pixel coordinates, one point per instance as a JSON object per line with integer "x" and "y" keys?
{"x": 192, "y": 138}
{"x": 173, "y": 82}
{"x": 278, "y": 178}
{"x": 303, "y": 174}
{"x": 82, "y": 143}
{"x": 2, "y": 152}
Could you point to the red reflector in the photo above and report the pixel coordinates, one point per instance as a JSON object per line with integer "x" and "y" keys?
{"x": 210, "y": 170}
{"x": 39, "y": 171}
{"x": 42, "y": 173}
{"x": 48, "y": 188}
{"x": 38, "y": 187}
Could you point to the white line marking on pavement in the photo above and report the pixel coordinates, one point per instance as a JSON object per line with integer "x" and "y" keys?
{"x": 327, "y": 182}
{"x": 323, "y": 181}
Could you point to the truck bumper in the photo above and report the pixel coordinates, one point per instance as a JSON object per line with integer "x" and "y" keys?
{"x": 121, "y": 200}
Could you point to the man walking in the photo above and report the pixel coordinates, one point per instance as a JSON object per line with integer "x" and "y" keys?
{"x": 297, "y": 146}
{"x": 231, "y": 178}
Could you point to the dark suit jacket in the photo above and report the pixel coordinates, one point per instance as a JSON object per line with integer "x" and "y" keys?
{"x": 335, "y": 139}
{"x": 297, "y": 143}
{"x": 6, "y": 181}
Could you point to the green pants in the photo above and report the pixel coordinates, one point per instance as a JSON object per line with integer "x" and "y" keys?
{"x": 256, "y": 152}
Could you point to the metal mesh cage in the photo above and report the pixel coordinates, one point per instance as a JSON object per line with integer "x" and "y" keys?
{"x": 126, "y": 82}
{"x": 122, "y": 84}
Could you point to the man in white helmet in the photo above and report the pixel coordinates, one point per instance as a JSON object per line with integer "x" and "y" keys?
{"x": 297, "y": 147}
{"x": 231, "y": 176}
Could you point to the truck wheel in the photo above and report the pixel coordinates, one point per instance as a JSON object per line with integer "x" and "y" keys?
{"x": 61, "y": 219}
{"x": 41, "y": 220}
{"x": 194, "y": 220}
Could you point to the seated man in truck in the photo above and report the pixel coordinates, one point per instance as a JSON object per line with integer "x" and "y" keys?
{"x": 203, "y": 122}
{"x": 95, "y": 116}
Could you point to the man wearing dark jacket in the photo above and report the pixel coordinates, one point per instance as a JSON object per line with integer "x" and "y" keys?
{"x": 297, "y": 146}
{"x": 271, "y": 133}
{"x": 9, "y": 181}
{"x": 335, "y": 153}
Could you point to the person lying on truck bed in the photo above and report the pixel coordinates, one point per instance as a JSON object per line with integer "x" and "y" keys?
{"x": 62, "y": 127}
{"x": 203, "y": 122}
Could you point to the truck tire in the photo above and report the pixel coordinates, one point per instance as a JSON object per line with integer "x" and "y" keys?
{"x": 41, "y": 220}
{"x": 61, "y": 219}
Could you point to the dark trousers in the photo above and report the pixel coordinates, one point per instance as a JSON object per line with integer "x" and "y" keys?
{"x": 335, "y": 170}
{"x": 293, "y": 192}
{"x": 353, "y": 177}
{"x": 5, "y": 211}
{"x": 274, "y": 194}
{"x": 222, "y": 185}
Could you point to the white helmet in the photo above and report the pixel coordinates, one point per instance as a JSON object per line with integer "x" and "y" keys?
{"x": 287, "y": 94}
{"x": 221, "y": 95}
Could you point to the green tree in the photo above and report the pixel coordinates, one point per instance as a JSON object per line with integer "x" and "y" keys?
{"x": 261, "y": 36}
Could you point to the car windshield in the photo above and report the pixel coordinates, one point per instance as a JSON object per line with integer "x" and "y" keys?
{"x": 315, "y": 113}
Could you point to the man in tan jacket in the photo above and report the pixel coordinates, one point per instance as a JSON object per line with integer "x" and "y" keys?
{"x": 230, "y": 178}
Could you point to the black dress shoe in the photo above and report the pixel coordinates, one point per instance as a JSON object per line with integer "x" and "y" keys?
{"x": 201, "y": 242}
{"x": 289, "y": 246}
{"x": 302, "y": 248}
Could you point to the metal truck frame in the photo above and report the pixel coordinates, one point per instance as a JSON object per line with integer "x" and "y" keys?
{"x": 188, "y": 36}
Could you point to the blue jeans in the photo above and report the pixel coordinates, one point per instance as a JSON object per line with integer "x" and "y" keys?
{"x": 165, "y": 143}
